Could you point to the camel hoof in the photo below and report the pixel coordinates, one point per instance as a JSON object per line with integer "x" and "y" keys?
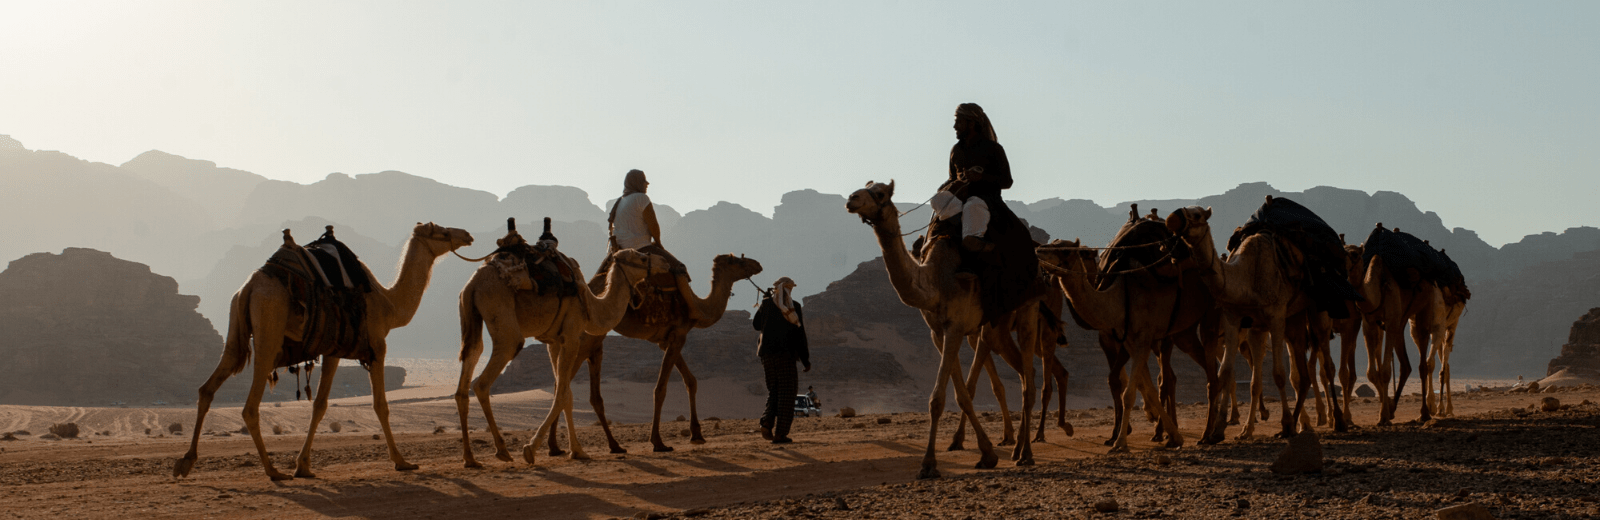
{"x": 1283, "y": 434}
{"x": 1266, "y": 415}
{"x": 1158, "y": 437}
{"x": 1110, "y": 442}
{"x": 662, "y": 448}
{"x": 503, "y": 455}
{"x": 472, "y": 464}
{"x": 1038, "y": 438}
{"x": 988, "y": 461}
{"x": 1025, "y": 462}
{"x": 182, "y": 467}
{"x": 404, "y": 466}
{"x": 1119, "y": 449}
{"x": 528, "y": 454}
{"x": 304, "y": 473}
{"x": 955, "y": 446}
{"x": 1007, "y": 442}
{"x": 275, "y": 475}
{"x": 579, "y": 456}
{"x": 927, "y": 473}
{"x": 1175, "y": 443}
{"x": 1067, "y": 429}
{"x": 1207, "y": 441}
{"x": 557, "y": 452}
{"x": 618, "y": 449}
{"x": 1233, "y": 422}
{"x": 697, "y": 440}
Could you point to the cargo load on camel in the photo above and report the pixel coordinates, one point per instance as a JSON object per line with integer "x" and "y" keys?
{"x": 539, "y": 267}
{"x": 1325, "y": 279}
{"x": 1404, "y": 252}
{"x": 328, "y": 292}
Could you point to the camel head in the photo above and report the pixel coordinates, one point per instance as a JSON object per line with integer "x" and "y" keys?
{"x": 1061, "y": 253}
{"x": 870, "y": 202}
{"x": 734, "y": 267}
{"x": 1190, "y": 223}
{"x": 639, "y": 265}
{"x": 440, "y": 239}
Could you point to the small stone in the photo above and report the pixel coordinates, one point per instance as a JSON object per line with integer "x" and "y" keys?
{"x": 1463, "y": 492}
{"x": 681, "y": 418}
{"x": 1467, "y": 511}
{"x": 438, "y": 430}
{"x": 9, "y": 437}
{"x": 1365, "y": 390}
{"x": 1242, "y": 504}
{"x": 847, "y": 412}
{"x": 376, "y": 437}
{"x": 839, "y": 503}
{"x": 1302, "y": 455}
{"x": 1550, "y": 404}
{"x": 1533, "y": 387}
{"x": 884, "y": 420}
{"x": 1163, "y": 460}
{"x": 1107, "y": 506}
{"x": 858, "y": 426}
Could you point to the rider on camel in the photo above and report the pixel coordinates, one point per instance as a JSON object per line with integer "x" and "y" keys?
{"x": 634, "y": 226}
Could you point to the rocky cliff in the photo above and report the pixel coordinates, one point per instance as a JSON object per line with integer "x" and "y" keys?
{"x": 85, "y": 328}
{"x": 1581, "y": 355}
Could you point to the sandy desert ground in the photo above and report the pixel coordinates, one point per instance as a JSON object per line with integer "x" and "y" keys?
{"x": 1497, "y": 451}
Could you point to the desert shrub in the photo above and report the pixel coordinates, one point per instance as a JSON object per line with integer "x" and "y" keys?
{"x": 65, "y": 430}
{"x": 175, "y": 428}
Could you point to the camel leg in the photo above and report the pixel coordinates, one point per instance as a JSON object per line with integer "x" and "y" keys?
{"x": 1280, "y": 349}
{"x": 1000, "y": 334}
{"x": 999, "y": 389}
{"x": 949, "y": 368}
{"x": 319, "y": 407}
{"x": 208, "y": 391}
{"x": 1347, "y": 367}
{"x": 1448, "y": 345}
{"x": 1396, "y": 343}
{"x": 668, "y": 362}
{"x": 1322, "y": 350}
{"x": 1116, "y": 359}
{"x": 691, "y": 385}
{"x": 596, "y": 353}
{"x": 980, "y": 358}
{"x": 1255, "y": 353}
{"x": 1225, "y": 371}
{"x": 1168, "y": 387}
{"x": 570, "y": 364}
{"x": 483, "y": 388}
{"x": 1424, "y": 340}
{"x": 469, "y": 361}
{"x": 1379, "y": 363}
{"x": 559, "y": 365}
{"x": 1190, "y": 344}
{"x": 380, "y": 404}
{"x": 1060, "y": 375}
{"x": 1044, "y": 403}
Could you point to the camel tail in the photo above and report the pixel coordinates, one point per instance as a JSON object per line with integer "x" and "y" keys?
{"x": 238, "y": 342}
{"x": 471, "y": 324}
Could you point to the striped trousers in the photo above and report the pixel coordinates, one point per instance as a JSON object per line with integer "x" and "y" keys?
{"x": 782, "y": 383}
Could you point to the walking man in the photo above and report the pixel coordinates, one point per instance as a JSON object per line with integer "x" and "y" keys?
{"x": 783, "y": 342}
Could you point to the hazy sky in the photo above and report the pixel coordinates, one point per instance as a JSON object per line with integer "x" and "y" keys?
{"x": 1485, "y": 112}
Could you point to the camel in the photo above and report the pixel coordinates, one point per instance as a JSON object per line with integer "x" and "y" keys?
{"x": 1137, "y": 315}
{"x": 558, "y": 321}
{"x": 1258, "y": 281}
{"x": 670, "y": 335}
{"x": 1349, "y": 330}
{"x": 1037, "y": 336}
{"x": 1392, "y": 300}
{"x": 950, "y": 306}
{"x": 261, "y": 312}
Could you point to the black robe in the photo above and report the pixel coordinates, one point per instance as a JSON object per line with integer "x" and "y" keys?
{"x": 1008, "y": 273}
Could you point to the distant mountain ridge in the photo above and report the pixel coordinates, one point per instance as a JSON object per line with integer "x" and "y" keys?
{"x": 172, "y": 213}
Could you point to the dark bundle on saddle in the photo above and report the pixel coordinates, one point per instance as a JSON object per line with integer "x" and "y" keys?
{"x": 1402, "y": 252}
{"x": 1007, "y": 275}
{"x": 537, "y": 267}
{"x": 1138, "y": 244}
{"x": 1326, "y": 280}
{"x": 328, "y": 303}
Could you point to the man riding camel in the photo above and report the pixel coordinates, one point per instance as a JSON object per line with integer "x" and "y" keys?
{"x": 998, "y": 247}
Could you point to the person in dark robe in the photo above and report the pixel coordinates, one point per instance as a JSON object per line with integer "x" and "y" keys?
{"x": 783, "y": 342}
{"x": 999, "y": 247}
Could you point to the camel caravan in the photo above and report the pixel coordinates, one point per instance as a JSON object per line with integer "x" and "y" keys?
{"x": 1286, "y": 284}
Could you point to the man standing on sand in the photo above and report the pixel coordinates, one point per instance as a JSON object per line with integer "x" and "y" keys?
{"x": 783, "y": 342}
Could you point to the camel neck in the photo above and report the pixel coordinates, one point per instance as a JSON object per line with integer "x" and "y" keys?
{"x": 1103, "y": 310}
{"x": 416, "y": 270}
{"x": 904, "y": 271}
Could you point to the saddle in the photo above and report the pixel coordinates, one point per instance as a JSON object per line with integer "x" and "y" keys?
{"x": 537, "y": 267}
{"x": 1325, "y": 276}
{"x": 328, "y": 304}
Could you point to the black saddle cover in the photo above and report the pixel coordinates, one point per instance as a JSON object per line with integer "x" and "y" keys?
{"x": 1326, "y": 280}
{"x": 1403, "y": 251}
{"x": 1007, "y": 275}
{"x": 328, "y": 295}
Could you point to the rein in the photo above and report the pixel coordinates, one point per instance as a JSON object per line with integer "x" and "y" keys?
{"x": 1107, "y": 248}
{"x": 1058, "y": 270}
{"x": 473, "y": 260}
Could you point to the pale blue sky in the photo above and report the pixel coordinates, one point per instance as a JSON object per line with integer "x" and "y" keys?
{"x": 1485, "y": 112}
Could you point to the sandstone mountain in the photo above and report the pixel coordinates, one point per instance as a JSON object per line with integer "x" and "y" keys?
{"x": 1581, "y": 355}
{"x": 86, "y": 329}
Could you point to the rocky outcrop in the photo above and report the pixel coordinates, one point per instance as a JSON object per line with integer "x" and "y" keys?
{"x": 1581, "y": 355}
{"x": 85, "y": 328}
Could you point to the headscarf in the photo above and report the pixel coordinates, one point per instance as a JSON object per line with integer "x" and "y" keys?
{"x": 780, "y": 297}
{"x": 634, "y": 182}
{"x": 982, "y": 128}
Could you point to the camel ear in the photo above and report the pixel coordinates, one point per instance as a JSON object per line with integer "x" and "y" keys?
{"x": 1208, "y": 212}
{"x": 890, "y": 190}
